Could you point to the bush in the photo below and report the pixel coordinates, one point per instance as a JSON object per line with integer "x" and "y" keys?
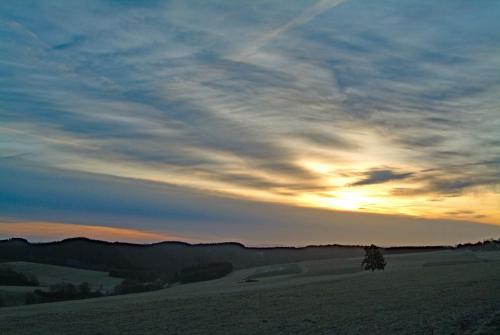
{"x": 84, "y": 289}
{"x": 60, "y": 292}
{"x": 9, "y": 277}
{"x": 205, "y": 272}
{"x": 31, "y": 298}
{"x": 135, "y": 286}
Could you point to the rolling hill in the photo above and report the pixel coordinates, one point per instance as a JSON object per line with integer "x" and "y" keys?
{"x": 458, "y": 294}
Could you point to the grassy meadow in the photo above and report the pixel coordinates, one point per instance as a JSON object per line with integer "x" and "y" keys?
{"x": 52, "y": 274}
{"x": 444, "y": 292}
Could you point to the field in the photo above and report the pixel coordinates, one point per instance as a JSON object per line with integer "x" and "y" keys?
{"x": 52, "y": 274}
{"x": 445, "y": 292}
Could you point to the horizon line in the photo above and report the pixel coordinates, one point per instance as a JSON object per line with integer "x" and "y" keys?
{"x": 444, "y": 246}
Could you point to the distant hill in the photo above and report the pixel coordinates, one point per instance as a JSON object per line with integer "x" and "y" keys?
{"x": 167, "y": 259}
{"x": 147, "y": 262}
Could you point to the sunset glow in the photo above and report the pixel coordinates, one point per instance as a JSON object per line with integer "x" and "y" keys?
{"x": 49, "y": 231}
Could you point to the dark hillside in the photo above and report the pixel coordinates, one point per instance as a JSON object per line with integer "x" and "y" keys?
{"x": 168, "y": 259}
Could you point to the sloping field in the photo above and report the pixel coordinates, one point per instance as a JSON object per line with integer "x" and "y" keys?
{"x": 407, "y": 298}
{"x": 51, "y": 274}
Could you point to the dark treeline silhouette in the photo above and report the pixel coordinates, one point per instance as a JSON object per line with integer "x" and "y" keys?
{"x": 60, "y": 292}
{"x": 485, "y": 245}
{"x": 10, "y": 277}
{"x": 409, "y": 249}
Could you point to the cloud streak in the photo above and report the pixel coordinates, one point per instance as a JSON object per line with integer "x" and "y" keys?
{"x": 45, "y": 202}
{"x": 354, "y": 105}
{"x": 381, "y": 176}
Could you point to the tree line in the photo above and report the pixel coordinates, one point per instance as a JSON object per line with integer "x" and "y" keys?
{"x": 69, "y": 291}
{"x": 61, "y": 292}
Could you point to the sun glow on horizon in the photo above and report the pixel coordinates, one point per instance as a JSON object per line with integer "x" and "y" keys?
{"x": 345, "y": 199}
{"x": 48, "y": 231}
{"x": 340, "y": 192}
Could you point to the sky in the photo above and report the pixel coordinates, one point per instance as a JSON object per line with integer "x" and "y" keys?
{"x": 263, "y": 122}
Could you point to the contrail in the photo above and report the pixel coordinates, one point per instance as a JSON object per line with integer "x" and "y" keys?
{"x": 306, "y": 16}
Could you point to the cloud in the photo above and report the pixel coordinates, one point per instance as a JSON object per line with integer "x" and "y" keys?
{"x": 381, "y": 176}
{"x": 239, "y": 102}
{"x": 456, "y": 187}
{"x": 461, "y": 212}
{"x": 71, "y": 203}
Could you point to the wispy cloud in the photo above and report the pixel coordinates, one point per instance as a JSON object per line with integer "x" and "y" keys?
{"x": 284, "y": 101}
{"x": 381, "y": 176}
{"x": 40, "y": 203}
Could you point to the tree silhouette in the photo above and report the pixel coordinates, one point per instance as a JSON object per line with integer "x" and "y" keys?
{"x": 84, "y": 289}
{"x": 374, "y": 260}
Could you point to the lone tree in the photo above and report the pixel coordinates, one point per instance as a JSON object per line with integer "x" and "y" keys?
{"x": 374, "y": 260}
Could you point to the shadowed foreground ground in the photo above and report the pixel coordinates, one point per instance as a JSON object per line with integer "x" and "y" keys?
{"x": 440, "y": 293}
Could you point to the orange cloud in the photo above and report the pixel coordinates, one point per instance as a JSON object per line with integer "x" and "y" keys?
{"x": 35, "y": 230}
